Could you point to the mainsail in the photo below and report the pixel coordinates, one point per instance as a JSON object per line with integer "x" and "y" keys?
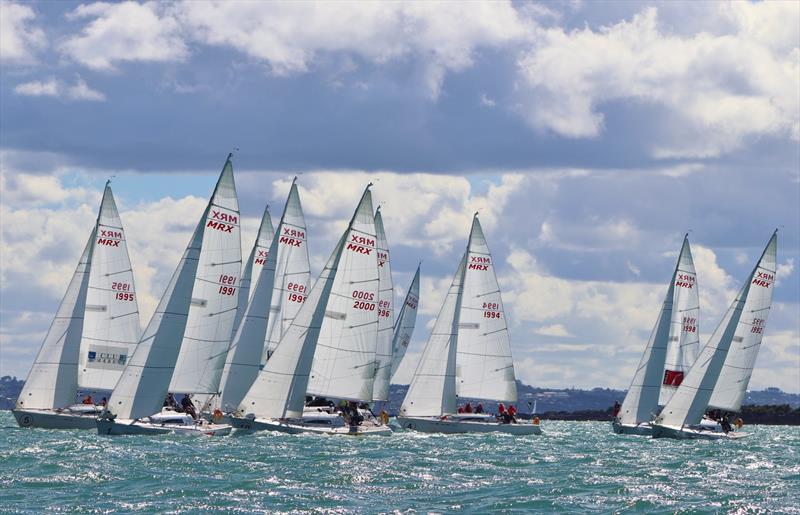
{"x": 674, "y": 335}
{"x": 253, "y": 265}
{"x": 144, "y": 383}
{"x": 740, "y": 330}
{"x": 111, "y": 327}
{"x": 383, "y": 351}
{"x": 404, "y": 327}
{"x": 214, "y": 295}
{"x": 344, "y": 360}
{"x": 280, "y": 388}
{"x": 244, "y": 356}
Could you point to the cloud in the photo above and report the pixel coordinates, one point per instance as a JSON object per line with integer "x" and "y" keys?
{"x": 127, "y": 31}
{"x": 486, "y": 101}
{"x": 53, "y": 87}
{"x": 714, "y": 91}
{"x": 553, "y": 330}
{"x": 20, "y": 39}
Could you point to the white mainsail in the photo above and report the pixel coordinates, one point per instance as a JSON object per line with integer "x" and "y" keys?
{"x": 252, "y": 267}
{"x": 143, "y": 386}
{"x": 111, "y": 327}
{"x": 676, "y": 324}
{"x": 280, "y": 388}
{"x": 743, "y": 323}
{"x": 53, "y": 379}
{"x": 383, "y": 350}
{"x": 404, "y": 327}
{"x": 432, "y": 391}
{"x": 344, "y": 360}
{"x": 214, "y": 295}
{"x": 244, "y": 356}
{"x": 735, "y": 376}
{"x": 484, "y": 367}
{"x": 292, "y": 273}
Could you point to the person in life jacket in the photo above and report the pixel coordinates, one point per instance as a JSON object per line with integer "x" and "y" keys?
{"x": 88, "y": 399}
{"x": 468, "y": 408}
{"x": 617, "y": 409}
{"x": 512, "y": 412}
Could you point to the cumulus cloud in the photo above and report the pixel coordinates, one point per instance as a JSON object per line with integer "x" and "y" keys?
{"x": 53, "y": 87}
{"x": 126, "y": 31}
{"x": 20, "y": 38}
{"x": 715, "y": 90}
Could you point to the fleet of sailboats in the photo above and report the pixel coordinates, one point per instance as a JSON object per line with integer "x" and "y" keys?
{"x": 256, "y": 347}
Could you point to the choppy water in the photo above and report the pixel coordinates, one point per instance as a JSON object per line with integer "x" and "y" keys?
{"x": 576, "y": 466}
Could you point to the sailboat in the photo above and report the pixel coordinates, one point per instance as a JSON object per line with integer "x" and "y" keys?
{"x": 339, "y": 316}
{"x": 93, "y": 334}
{"x": 280, "y": 286}
{"x": 253, "y": 265}
{"x": 383, "y": 350}
{"x": 404, "y": 326}
{"x": 670, "y": 352}
{"x": 468, "y": 354}
{"x": 720, "y": 375}
{"x": 196, "y": 313}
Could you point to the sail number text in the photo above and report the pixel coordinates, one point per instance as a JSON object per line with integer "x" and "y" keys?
{"x": 362, "y": 300}
{"x": 226, "y": 284}
{"x": 685, "y": 281}
{"x": 297, "y": 292}
{"x": 758, "y": 326}
{"x": 490, "y": 310}
{"x": 122, "y": 291}
{"x": 689, "y": 325}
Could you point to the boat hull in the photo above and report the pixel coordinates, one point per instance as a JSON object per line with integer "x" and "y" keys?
{"x": 50, "y": 419}
{"x": 247, "y": 424}
{"x": 137, "y": 427}
{"x": 694, "y": 433}
{"x": 643, "y": 429}
{"x": 438, "y": 425}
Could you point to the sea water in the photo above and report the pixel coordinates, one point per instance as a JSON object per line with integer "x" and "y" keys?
{"x": 573, "y": 467}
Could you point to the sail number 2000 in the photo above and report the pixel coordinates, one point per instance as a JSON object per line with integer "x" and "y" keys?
{"x": 362, "y": 299}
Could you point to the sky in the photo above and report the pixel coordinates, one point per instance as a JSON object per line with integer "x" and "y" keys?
{"x": 589, "y": 136}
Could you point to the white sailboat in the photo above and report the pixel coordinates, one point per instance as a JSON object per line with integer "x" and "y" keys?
{"x": 404, "y": 326}
{"x": 93, "y": 335}
{"x": 202, "y": 291}
{"x": 340, "y": 313}
{"x": 720, "y": 375}
{"x": 468, "y": 354}
{"x": 383, "y": 349}
{"x": 670, "y": 352}
{"x": 253, "y": 265}
{"x": 286, "y": 265}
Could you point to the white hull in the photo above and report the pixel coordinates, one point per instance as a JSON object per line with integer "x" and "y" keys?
{"x": 295, "y": 426}
{"x": 701, "y": 432}
{"x": 643, "y": 429}
{"x": 438, "y": 425}
{"x": 51, "y": 419}
{"x": 137, "y": 427}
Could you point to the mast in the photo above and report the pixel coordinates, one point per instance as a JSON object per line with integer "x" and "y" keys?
{"x": 404, "y": 327}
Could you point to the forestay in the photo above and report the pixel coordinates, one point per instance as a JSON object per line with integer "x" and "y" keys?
{"x": 214, "y": 295}
{"x": 53, "y": 379}
{"x": 111, "y": 327}
{"x": 404, "y": 327}
{"x": 692, "y": 398}
{"x": 244, "y": 357}
{"x": 484, "y": 367}
{"x": 642, "y": 400}
{"x": 344, "y": 360}
{"x": 292, "y": 273}
{"x": 735, "y": 376}
{"x": 252, "y": 267}
{"x": 432, "y": 391}
{"x": 383, "y": 351}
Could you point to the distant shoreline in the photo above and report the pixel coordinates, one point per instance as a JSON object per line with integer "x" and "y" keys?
{"x": 768, "y": 415}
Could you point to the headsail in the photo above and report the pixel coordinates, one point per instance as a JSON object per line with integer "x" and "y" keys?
{"x": 383, "y": 352}
{"x": 404, "y": 327}
{"x": 292, "y": 273}
{"x": 743, "y": 318}
{"x": 280, "y": 388}
{"x": 252, "y": 267}
{"x": 244, "y": 357}
{"x": 484, "y": 367}
{"x": 214, "y": 295}
{"x": 144, "y": 383}
{"x": 344, "y": 360}
{"x": 111, "y": 327}
{"x": 53, "y": 379}
{"x": 670, "y": 331}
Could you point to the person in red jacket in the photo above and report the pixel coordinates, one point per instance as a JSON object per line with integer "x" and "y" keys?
{"x": 512, "y": 412}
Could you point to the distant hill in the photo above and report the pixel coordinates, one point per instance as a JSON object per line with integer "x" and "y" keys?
{"x": 546, "y": 399}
